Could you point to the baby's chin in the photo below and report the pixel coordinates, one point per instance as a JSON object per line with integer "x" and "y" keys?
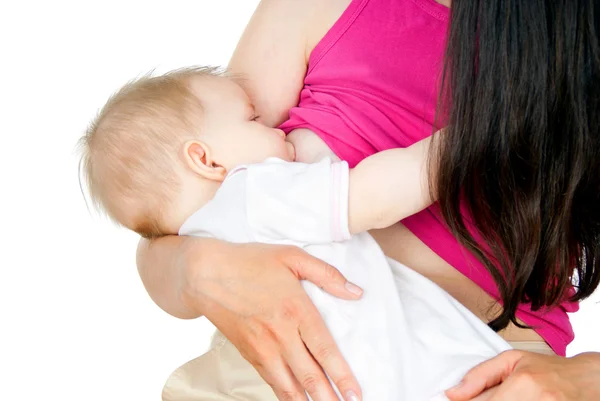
{"x": 291, "y": 151}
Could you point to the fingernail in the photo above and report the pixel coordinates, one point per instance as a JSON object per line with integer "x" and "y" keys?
{"x": 356, "y": 290}
{"x": 350, "y": 395}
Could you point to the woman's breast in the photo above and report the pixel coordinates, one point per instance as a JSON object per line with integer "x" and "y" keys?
{"x": 402, "y": 245}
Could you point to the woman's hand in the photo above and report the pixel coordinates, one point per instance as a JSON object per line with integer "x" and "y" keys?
{"x": 252, "y": 294}
{"x": 527, "y": 376}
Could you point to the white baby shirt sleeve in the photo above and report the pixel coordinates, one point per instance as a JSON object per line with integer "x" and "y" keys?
{"x": 298, "y": 203}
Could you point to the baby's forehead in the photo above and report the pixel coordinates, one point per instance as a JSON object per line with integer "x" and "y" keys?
{"x": 217, "y": 89}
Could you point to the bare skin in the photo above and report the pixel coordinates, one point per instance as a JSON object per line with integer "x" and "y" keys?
{"x": 280, "y": 332}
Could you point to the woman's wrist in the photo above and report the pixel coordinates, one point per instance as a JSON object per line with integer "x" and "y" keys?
{"x": 198, "y": 259}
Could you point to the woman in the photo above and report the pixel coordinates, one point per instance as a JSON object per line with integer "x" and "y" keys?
{"x": 518, "y": 181}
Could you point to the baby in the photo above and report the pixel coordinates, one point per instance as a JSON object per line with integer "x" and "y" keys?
{"x": 161, "y": 148}
{"x": 185, "y": 153}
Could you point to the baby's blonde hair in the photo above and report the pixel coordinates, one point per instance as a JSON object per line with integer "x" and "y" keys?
{"x": 130, "y": 150}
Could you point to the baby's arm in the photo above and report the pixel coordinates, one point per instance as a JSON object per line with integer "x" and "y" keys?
{"x": 318, "y": 203}
{"x": 388, "y": 187}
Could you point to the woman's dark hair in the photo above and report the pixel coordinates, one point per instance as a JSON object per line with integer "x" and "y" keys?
{"x": 521, "y": 151}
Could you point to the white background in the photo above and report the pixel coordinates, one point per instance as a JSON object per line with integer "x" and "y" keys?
{"x": 76, "y": 323}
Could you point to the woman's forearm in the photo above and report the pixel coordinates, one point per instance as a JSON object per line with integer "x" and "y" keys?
{"x": 162, "y": 267}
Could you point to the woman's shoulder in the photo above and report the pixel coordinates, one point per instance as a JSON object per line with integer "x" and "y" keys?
{"x": 325, "y": 13}
{"x": 310, "y": 19}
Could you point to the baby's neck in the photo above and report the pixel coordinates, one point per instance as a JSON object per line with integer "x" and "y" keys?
{"x": 309, "y": 147}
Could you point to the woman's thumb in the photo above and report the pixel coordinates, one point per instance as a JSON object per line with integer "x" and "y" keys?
{"x": 485, "y": 375}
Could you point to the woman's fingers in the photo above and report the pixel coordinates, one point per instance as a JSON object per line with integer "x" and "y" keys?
{"x": 307, "y": 372}
{"x": 279, "y": 376}
{"x": 323, "y": 349}
{"x": 529, "y": 376}
{"x": 313, "y": 331}
{"x": 323, "y": 275}
{"x": 485, "y": 375}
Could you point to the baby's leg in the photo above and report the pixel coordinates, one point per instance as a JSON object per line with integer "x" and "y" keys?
{"x": 222, "y": 374}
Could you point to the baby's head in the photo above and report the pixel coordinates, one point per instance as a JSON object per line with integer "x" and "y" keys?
{"x": 161, "y": 147}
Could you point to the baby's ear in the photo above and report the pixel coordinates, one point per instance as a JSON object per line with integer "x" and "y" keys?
{"x": 197, "y": 157}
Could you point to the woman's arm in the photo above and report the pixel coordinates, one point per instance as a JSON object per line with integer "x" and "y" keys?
{"x": 279, "y": 331}
{"x": 162, "y": 267}
{"x": 272, "y": 54}
{"x": 270, "y": 58}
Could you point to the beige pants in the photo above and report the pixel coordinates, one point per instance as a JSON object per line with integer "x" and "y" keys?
{"x": 222, "y": 374}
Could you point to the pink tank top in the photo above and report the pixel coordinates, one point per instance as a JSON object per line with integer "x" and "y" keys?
{"x": 372, "y": 85}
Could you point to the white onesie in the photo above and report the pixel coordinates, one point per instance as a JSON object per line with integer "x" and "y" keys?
{"x": 406, "y": 339}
